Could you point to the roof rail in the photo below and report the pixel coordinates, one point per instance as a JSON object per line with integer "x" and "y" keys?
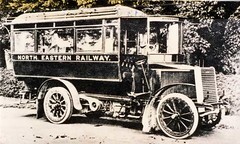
{"x": 7, "y": 20}
{"x": 81, "y": 13}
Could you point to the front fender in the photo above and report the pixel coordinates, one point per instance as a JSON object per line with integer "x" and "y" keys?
{"x": 160, "y": 91}
{"x": 149, "y": 121}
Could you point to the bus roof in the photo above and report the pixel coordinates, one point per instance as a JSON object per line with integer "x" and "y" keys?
{"x": 81, "y": 13}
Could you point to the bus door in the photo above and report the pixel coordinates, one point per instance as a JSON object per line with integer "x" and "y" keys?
{"x": 132, "y": 41}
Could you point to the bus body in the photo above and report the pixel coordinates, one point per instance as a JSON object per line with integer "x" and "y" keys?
{"x": 113, "y": 61}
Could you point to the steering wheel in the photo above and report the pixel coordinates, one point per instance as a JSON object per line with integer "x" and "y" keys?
{"x": 140, "y": 62}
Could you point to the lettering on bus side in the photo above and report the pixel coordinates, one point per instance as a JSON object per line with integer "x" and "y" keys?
{"x": 27, "y": 57}
{"x": 92, "y": 58}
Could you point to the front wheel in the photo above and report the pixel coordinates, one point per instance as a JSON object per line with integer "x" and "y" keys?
{"x": 58, "y": 105}
{"x": 177, "y": 116}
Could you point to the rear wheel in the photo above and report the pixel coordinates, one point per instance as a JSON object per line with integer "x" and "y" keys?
{"x": 177, "y": 116}
{"x": 58, "y": 105}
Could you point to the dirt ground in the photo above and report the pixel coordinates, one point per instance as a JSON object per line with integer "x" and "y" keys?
{"x": 19, "y": 126}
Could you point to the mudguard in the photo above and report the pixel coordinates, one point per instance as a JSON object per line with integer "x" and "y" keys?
{"x": 70, "y": 87}
{"x": 149, "y": 120}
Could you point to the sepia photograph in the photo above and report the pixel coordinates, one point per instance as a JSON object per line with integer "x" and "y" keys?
{"x": 119, "y": 71}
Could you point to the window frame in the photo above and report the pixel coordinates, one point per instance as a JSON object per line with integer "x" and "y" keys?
{"x": 89, "y": 51}
{"x": 103, "y": 25}
{"x": 14, "y": 45}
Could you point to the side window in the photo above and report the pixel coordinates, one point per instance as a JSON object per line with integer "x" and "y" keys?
{"x": 173, "y": 42}
{"x": 158, "y": 37}
{"x": 55, "y": 40}
{"x": 24, "y": 41}
{"x": 89, "y": 39}
{"x": 111, "y": 44}
{"x": 164, "y": 37}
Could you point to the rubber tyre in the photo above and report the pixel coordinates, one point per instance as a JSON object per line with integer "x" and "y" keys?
{"x": 177, "y": 116}
{"x": 58, "y": 105}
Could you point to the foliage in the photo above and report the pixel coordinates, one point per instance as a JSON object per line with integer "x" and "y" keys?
{"x": 194, "y": 44}
{"x": 229, "y": 92}
{"x": 40, "y": 5}
{"x": 9, "y": 86}
{"x": 202, "y": 9}
{"x": 232, "y": 40}
{"x": 218, "y": 55}
{"x": 212, "y": 18}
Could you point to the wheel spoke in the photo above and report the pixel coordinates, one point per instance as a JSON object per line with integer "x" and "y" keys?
{"x": 179, "y": 128}
{"x": 169, "y": 122}
{"x": 58, "y": 114}
{"x": 169, "y": 107}
{"x": 51, "y": 101}
{"x": 63, "y": 107}
{"x": 61, "y": 98}
{"x": 63, "y": 102}
{"x": 52, "y": 106}
{"x": 167, "y": 117}
{"x": 52, "y": 110}
{"x": 168, "y": 112}
{"x": 173, "y": 126}
{"x": 174, "y": 106}
{"x": 62, "y": 111}
{"x": 188, "y": 113}
{"x": 188, "y": 120}
{"x": 183, "y": 124}
{"x": 55, "y": 113}
{"x": 185, "y": 106}
{"x": 53, "y": 96}
{"x": 58, "y": 96}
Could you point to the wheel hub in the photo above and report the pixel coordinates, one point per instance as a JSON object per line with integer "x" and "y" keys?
{"x": 175, "y": 116}
{"x": 57, "y": 107}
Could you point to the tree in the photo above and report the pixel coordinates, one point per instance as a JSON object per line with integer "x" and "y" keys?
{"x": 212, "y": 19}
{"x": 40, "y": 5}
{"x": 232, "y": 40}
{"x": 193, "y": 44}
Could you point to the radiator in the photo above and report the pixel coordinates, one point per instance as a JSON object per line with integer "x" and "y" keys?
{"x": 209, "y": 85}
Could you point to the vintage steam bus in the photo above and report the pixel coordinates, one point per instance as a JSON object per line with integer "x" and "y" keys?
{"x": 113, "y": 61}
